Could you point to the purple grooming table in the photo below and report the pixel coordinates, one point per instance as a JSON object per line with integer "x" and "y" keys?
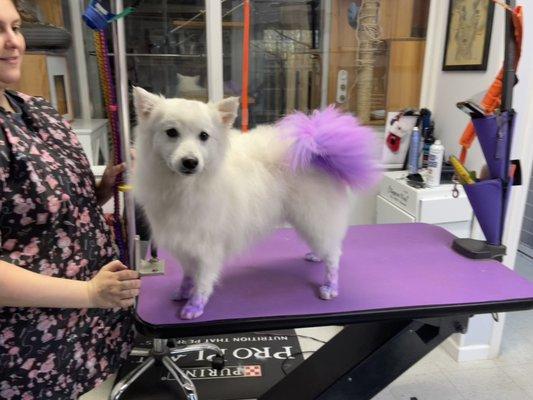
{"x": 386, "y": 271}
{"x": 403, "y": 291}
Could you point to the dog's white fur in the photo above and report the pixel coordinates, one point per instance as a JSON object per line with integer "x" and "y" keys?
{"x": 243, "y": 189}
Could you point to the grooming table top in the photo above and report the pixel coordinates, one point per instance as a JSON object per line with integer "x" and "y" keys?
{"x": 386, "y": 271}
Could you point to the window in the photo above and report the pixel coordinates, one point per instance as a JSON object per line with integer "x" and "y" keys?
{"x": 365, "y": 56}
{"x": 166, "y": 44}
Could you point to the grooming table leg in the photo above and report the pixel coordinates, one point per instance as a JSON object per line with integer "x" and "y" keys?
{"x": 196, "y": 347}
{"x": 183, "y": 380}
{"x": 137, "y": 352}
{"x": 125, "y": 382}
{"x": 364, "y": 358}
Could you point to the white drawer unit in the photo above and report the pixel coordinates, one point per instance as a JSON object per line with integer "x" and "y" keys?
{"x": 92, "y": 134}
{"x": 388, "y": 213}
{"x": 397, "y": 202}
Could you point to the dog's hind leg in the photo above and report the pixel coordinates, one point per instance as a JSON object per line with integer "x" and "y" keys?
{"x": 330, "y": 254}
{"x": 330, "y": 288}
{"x": 320, "y": 216}
{"x": 312, "y": 257}
{"x": 325, "y": 239}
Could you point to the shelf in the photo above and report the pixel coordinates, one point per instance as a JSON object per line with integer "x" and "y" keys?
{"x": 158, "y": 55}
{"x": 405, "y": 39}
{"x": 201, "y": 24}
{"x": 155, "y": 10}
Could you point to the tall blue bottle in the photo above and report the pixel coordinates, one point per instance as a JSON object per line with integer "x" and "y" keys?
{"x": 414, "y": 151}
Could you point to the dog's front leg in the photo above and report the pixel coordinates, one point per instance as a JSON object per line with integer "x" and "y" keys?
{"x": 185, "y": 290}
{"x": 205, "y": 277}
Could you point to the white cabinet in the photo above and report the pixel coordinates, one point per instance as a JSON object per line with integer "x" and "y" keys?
{"x": 397, "y": 202}
{"x": 92, "y": 134}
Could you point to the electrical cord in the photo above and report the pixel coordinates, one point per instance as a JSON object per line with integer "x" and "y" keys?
{"x": 284, "y": 362}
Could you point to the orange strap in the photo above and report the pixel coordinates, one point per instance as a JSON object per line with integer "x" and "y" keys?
{"x": 492, "y": 99}
{"x": 245, "y": 64}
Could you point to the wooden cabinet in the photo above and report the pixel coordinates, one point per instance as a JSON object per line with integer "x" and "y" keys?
{"x": 34, "y": 79}
{"x": 404, "y": 78}
{"x": 52, "y": 11}
{"x": 46, "y": 75}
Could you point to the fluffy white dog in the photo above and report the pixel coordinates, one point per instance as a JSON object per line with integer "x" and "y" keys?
{"x": 209, "y": 192}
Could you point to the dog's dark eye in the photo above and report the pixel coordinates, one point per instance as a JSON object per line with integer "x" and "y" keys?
{"x": 172, "y": 132}
{"x": 204, "y": 136}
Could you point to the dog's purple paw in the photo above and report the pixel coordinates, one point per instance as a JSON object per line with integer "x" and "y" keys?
{"x": 328, "y": 291}
{"x": 194, "y": 307}
{"x": 185, "y": 291}
{"x": 312, "y": 257}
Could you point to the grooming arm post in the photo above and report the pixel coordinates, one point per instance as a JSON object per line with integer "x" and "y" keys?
{"x": 121, "y": 73}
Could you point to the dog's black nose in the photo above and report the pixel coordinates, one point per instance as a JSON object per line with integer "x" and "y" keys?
{"x": 189, "y": 163}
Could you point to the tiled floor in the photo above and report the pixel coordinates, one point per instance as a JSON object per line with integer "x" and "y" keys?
{"x": 438, "y": 377}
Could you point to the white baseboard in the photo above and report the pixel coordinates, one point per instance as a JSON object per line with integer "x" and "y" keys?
{"x": 466, "y": 353}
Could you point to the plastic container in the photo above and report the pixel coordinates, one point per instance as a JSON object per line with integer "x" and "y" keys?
{"x": 96, "y": 16}
{"x": 414, "y": 151}
{"x": 435, "y": 159}
{"x": 429, "y": 139}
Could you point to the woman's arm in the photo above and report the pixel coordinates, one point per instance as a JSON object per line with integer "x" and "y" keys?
{"x": 104, "y": 189}
{"x": 113, "y": 286}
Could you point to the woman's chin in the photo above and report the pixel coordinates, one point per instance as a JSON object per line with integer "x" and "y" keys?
{"x": 9, "y": 79}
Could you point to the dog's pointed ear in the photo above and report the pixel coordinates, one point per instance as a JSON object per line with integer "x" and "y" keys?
{"x": 144, "y": 102}
{"x": 227, "y": 110}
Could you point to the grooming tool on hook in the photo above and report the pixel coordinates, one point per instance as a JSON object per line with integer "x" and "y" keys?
{"x": 493, "y": 124}
{"x": 97, "y": 17}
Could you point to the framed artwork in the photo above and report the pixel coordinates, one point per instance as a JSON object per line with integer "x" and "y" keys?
{"x": 468, "y": 35}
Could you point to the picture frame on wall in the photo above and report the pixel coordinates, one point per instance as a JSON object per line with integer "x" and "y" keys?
{"x": 468, "y": 35}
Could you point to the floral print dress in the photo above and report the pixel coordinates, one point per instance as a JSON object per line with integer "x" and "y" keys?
{"x": 50, "y": 223}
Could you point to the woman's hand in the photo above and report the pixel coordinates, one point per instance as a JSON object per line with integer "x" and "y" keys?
{"x": 104, "y": 191}
{"x": 114, "y": 286}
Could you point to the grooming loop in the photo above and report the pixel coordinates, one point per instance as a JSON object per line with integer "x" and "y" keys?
{"x": 108, "y": 90}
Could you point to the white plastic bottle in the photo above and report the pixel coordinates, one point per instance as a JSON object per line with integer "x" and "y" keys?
{"x": 436, "y": 156}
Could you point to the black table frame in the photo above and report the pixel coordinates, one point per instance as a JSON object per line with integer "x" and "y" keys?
{"x": 373, "y": 349}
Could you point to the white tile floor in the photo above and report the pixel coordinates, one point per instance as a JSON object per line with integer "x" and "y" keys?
{"x": 439, "y": 377}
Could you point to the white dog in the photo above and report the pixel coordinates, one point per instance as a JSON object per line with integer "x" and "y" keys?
{"x": 209, "y": 192}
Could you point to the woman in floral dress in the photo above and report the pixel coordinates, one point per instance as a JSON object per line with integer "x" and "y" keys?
{"x": 65, "y": 301}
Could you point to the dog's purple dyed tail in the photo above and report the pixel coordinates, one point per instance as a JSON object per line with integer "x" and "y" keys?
{"x": 335, "y": 142}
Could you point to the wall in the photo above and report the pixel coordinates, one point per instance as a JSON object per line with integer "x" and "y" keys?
{"x": 441, "y": 90}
